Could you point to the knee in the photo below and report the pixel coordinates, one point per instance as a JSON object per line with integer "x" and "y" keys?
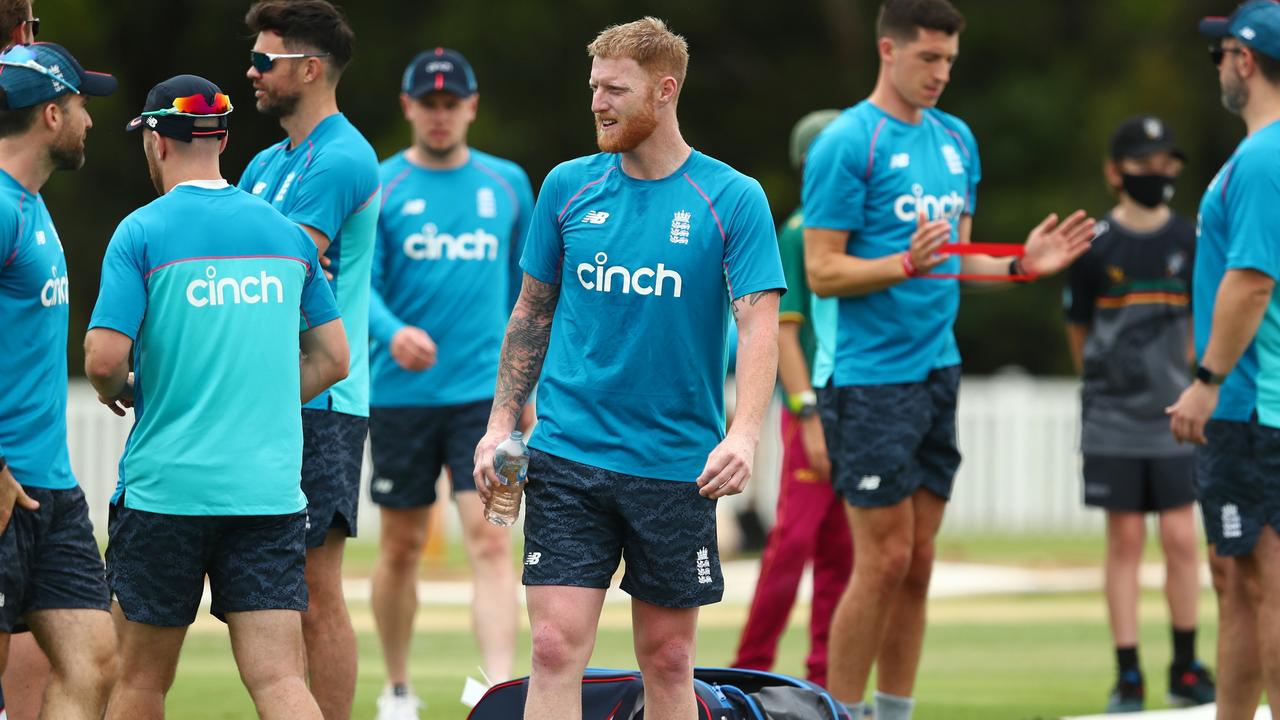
{"x": 402, "y": 551}
{"x": 94, "y": 669}
{"x": 488, "y": 548}
{"x": 555, "y": 653}
{"x": 1179, "y": 543}
{"x": 262, "y": 678}
{"x": 916, "y": 581}
{"x": 668, "y": 662}
{"x": 886, "y": 566}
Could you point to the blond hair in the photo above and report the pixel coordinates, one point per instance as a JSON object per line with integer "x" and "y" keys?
{"x": 647, "y": 41}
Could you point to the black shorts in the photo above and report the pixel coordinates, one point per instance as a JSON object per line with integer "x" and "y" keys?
{"x": 890, "y": 440}
{"x": 411, "y": 444}
{"x": 157, "y": 563}
{"x": 580, "y": 520}
{"x": 1127, "y": 484}
{"x": 1237, "y": 483}
{"x": 49, "y": 559}
{"x": 332, "y": 456}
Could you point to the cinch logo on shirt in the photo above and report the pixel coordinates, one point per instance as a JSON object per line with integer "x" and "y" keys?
{"x": 249, "y": 290}
{"x": 56, "y": 290}
{"x": 429, "y": 245}
{"x": 949, "y": 206}
{"x": 600, "y": 278}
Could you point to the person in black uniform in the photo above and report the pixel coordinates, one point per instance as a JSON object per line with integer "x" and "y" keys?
{"x": 1129, "y": 328}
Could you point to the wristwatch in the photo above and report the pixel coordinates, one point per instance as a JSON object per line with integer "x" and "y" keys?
{"x": 803, "y": 404}
{"x": 1207, "y": 376}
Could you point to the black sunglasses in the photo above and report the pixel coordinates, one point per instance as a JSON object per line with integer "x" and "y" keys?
{"x": 35, "y": 25}
{"x": 263, "y": 62}
{"x": 1217, "y": 53}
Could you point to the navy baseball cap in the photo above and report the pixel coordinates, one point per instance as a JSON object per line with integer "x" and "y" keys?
{"x": 40, "y": 72}
{"x": 1141, "y": 136}
{"x": 439, "y": 70}
{"x": 176, "y": 106}
{"x": 1255, "y": 23}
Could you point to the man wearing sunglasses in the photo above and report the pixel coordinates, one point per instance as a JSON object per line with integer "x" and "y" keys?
{"x": 323, "y": 176}
{"x": 446, "y": 274}
{"x": 1232, "y": 409}
{"x": 51, "y": 575}
{"x": 21, "y": 27}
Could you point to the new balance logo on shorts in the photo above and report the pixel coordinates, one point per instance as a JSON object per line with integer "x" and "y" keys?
{"x": 383, "y": 485}
{"x": 869, "y": 482}
{"x": 595, "y": 217}
{"x": 1231, "y": 526}
{"x": 532, "y": 558}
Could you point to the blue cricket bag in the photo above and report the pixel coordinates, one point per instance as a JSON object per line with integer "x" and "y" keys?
{"x": 722, "y": 694}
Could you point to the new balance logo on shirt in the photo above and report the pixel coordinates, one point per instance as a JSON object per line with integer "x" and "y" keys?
{"x": 433, "y": 245}
{"x": 595, "y": 217}
{"x": 249, "y": 290}
{"x": 616, "y": 278}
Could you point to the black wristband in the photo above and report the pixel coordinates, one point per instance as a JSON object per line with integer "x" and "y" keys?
{"x": 1208, "y": 377}
{"x": 1015, "y": 267}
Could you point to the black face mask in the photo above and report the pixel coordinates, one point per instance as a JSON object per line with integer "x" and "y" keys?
{"x": 1148, "y": 190}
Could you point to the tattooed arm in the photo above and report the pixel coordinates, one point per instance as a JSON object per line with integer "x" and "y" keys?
{"x": 728, "y": 467}
{"x": 523, "y": 351}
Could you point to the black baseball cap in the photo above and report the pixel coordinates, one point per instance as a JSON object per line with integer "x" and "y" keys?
{"x": 439, "y": 70}
{"x": 175, "y": 106}
{"x": 40, "y": 72}
{"x": 1143, "y": 135}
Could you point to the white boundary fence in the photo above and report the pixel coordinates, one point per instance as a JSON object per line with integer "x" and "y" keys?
{"x": 1019, "y": 436}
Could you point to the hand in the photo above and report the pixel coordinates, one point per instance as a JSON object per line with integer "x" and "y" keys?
{"x": 728, "y": 468}
{"x": 413, "y": 349}
{"x": 1188, "y": 416}
{"x": 484, "y": 474}
{"x": 325, "y": 262}
{"x": 12, "y": 495}
{"x": 815, "y": 446}
{"x": 925, "y": 242}
{"x": 122, "y": 401}
{"x": 1052, "y": 246}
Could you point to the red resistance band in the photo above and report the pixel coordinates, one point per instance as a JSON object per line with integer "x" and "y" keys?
{"x": 993, "y": 249}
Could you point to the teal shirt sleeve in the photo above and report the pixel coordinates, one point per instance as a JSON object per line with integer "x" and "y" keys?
{"x": 383, "y": 324}
{"x": 544, "y": 246}
{"x": 326, "y": 195}
{"x": 524, "y": 216}
{"x": 122, "y": 293}
{"x": 835, "y": 180}
{"x": 1253, "y": 194}
{"x": 318, "y": 304}
{"x": 751, "y": 259}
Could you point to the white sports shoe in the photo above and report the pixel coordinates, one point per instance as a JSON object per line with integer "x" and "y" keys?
{"x": 398, "y": 707}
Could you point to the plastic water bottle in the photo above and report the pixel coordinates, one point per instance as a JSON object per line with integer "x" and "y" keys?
{"x": 511, "y": 463}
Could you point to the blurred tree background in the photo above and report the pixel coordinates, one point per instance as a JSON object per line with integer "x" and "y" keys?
{"x": 1041, "y": 83}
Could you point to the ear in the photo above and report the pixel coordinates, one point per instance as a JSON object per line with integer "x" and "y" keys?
{"x": 313, "y": 69}
{"x": 473, "y": 103}
{"x": 161, "y": 146}
{"x": 405, "y": 102}
{"x": 885, "y": 48}
{"x": 667, "y": 87}
{"x": 1246, "y": 64}
{"x": 53, "y": 115}
{"x": 1111, "y": 171}
{"x": 222, "y": 146}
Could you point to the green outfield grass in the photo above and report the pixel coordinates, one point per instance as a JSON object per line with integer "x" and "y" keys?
{"x": 985, "y": 657}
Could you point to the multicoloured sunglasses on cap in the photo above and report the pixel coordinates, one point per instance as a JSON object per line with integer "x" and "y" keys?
{"x": 195, "y": 106}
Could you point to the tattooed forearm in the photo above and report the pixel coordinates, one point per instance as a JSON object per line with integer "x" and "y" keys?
{"x": 750, "y": 300}
{"x": 525, "y": 346}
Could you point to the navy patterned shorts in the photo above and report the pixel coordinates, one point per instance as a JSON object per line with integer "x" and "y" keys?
{"x": 1237, "y": 484}
{"x": 411, "y": 444}
{"x": 49, "y": 559}
{"x": 156, "y": 564}
{"x": 332, "y": 456}
{"x": 891, "y": 440}
{"x": 581, "y": 520}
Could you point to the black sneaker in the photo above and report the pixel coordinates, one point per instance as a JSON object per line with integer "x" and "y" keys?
{"x": 1129, "y": 694}
{"x": 1190, "y": 685}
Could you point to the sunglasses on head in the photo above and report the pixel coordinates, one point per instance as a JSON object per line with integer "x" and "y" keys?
{"x": 22, "y": 56}
{"x": 263, "y": 62}
{"x": 195, "y": 106}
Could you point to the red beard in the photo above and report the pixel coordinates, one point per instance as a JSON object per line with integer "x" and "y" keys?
{"x": 628, "y": 133}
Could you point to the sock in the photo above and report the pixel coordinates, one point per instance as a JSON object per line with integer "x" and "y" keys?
{"x": 855, "y": 709}
{"x": 1127, "y": 659}
{"x": 1184, "y": 648}
{"x": 893, "y": 707}
{"x": 400, "y": 690}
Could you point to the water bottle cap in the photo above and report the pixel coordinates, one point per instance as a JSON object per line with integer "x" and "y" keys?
{"x": 516, "y": 435}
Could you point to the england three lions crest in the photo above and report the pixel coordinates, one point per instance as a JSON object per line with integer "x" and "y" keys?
{"x": 680, "y": 227}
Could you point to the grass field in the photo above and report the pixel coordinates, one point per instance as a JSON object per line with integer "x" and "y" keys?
{"x": 986, "y": 658}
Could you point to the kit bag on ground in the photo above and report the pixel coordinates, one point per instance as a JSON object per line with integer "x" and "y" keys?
{"x": 722, "y": 694}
